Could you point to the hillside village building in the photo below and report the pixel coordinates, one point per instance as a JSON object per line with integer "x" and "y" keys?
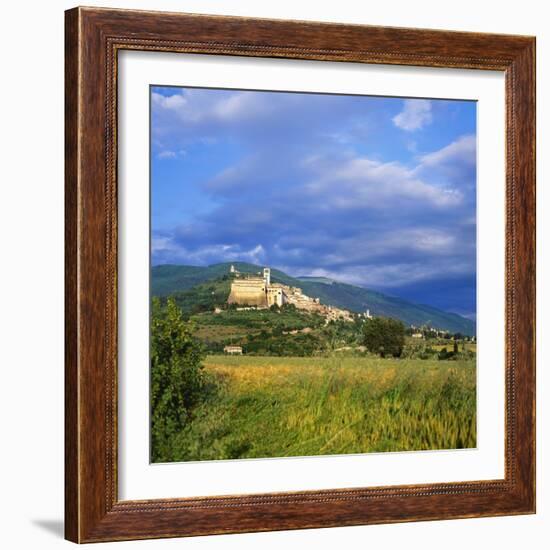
{"x": 259, "y": 291}
{"x": 233, "y": 350}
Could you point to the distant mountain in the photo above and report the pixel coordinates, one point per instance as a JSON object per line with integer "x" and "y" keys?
{"x": 325, "y": 280}
{"x": 169, "y": 279}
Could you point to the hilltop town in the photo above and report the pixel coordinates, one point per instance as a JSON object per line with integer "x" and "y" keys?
{"x": 255, "y": 310}
{"x": 207, "y": 288}
{"x": 259, "y": 292}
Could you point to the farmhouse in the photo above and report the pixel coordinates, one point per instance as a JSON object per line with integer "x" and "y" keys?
{"x": 233, "y": 350}
{"x": 258, "y": 291}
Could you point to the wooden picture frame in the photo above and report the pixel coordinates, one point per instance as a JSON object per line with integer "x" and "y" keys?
{"x": 93, "y": 511}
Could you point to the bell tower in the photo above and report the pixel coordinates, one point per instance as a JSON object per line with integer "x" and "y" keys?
{"x": 267, "y": 276}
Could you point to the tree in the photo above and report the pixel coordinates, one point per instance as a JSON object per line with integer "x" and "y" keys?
{"x": 178, "y": 382}
{"x": 384, "y": 336}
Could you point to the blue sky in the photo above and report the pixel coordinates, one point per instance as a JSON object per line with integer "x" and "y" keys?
{"x": 374, "y": 191}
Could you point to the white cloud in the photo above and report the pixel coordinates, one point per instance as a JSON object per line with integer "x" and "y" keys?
{"x": 160, "y": 244}
{"x": 389, "y": 276}
{"x": 167, "y": 155}
{"x": 235, "y": 106}
{"x": 430, "y": 240}
{"x": 461, "y": 150}
{"x": 173, "y": 102}
{"x": 416, "y": 113}
{"x": 166, "y": 247}
{"x": 229, "y": 179}
{"x": 365, "y": 247}
{"x": 361, "y": 181}
{"x": 224, "y": 108}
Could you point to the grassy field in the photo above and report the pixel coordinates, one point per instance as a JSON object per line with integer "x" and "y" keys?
{"x": 449, "y": 346}
{"x": 214, "y": 333}
{"x": 299, "y": 406}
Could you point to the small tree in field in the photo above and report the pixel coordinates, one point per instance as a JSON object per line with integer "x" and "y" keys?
{"x": 178, "y": 382}
{"x": 384, "y": 336}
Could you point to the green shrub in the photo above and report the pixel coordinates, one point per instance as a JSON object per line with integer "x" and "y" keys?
{"x": 384, "y": 336}
{"x": 178, "y": 382}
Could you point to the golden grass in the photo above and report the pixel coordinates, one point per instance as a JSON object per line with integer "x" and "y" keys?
{"x": 297, "y": 406}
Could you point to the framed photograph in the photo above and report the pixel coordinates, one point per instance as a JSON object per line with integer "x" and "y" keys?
{"x": 300, "y": 275}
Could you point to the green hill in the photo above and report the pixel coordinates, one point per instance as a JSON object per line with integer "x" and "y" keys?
{"x": 176, "y": 279}
{"x": 356, "y": 298}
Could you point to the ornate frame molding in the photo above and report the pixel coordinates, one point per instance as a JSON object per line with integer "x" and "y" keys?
{"x": 93, "y": 38}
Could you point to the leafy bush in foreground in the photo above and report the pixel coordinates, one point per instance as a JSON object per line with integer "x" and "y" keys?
{"x": 178, "y": 382}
